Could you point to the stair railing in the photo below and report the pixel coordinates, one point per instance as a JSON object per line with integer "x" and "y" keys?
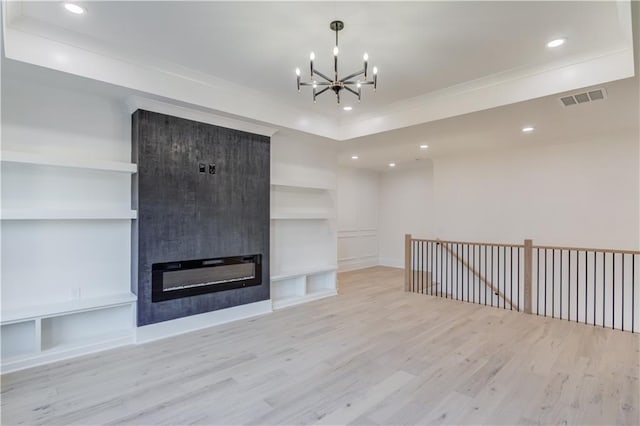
{"x": 592, "y": 286}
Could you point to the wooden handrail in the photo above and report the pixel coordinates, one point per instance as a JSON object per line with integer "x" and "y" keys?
{"x": 632, "y": 252}
{"x": 600, "y": 250}
{"x": 476, "y": 273}
{"x": 468, "y": 243}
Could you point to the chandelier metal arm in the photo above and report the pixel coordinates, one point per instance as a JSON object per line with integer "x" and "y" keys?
{"x": 320, "y": 83}
{"x": 355, "y": 74}
{"x": 352, "y": 91}
{"x": 316, "y": 72}
{"x": 320, "y": 92}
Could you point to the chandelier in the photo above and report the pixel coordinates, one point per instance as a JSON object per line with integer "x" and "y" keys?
{"x": 350, "y": 83}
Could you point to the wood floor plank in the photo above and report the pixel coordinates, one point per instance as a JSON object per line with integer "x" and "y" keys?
{"x": 373, "y": 355}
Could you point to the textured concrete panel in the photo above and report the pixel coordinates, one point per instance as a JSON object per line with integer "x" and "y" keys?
{"x": 185, "y": 214}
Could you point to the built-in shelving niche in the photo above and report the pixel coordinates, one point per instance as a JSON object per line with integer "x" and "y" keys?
{"x": 35, "y": 334}
{"x": 66, "y": 231}
{"x": 302, "y": 227}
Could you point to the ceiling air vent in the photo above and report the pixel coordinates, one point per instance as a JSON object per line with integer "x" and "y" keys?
{"x": 581, "y": 98}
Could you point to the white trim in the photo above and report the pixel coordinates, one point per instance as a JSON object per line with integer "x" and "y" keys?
{"x": 321, "y": 215}
{"x": 64, "y": 308}
{"x": 297, "y": 300}
{"x": 77, "y": 214}
{"x": 292, "y": 274}
{"x": 302, "y": 185}
{"x": 162, "y": 330}
{"x": 392, "y": 263}
{"x": 76, "y": 163}
{"x": 135, "y": 102}
{"x": 353, "y": 264}
{"x": 357, "y": 234}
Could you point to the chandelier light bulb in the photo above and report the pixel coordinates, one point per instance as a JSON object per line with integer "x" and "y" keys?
{"x": 335, "y": 51}
{"x": 375, "y": 70}
{"x": 312, "y": 56}
{"x": 359, "y": 85}
{"x": 298, "y": 72}
{"x": 365, "y": 57}
{"x": 315, "y": 84}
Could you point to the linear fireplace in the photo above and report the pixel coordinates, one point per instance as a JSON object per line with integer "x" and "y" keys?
{"x": 172, "y": 280}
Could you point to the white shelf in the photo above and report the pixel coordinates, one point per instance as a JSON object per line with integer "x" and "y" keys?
{"x": 302, "y": 272}
{"x": 75, "y": 214}
{"x": 296, "y": 300}
{"x": 321, "y": 187}
{"x": 296, "y": 287}
{"x": 46, "y": 333}
{"x": 302, "y": 215}
{"x": 111, "y": 339}
{"x": 65, "y": 308}
{"x": 97, "y": 343}
{"x": 76, "y": 163}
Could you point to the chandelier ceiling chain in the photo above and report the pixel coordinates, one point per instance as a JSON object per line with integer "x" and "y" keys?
{"x": 338, "y": 84}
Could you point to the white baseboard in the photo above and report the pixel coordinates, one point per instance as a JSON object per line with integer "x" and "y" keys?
{"x": 353, "y": 264}
{"x": 393, "y": 263}
{"x": 174, "y": 327}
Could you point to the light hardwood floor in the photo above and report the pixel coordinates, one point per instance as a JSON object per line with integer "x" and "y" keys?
{"x": 372, "y": 355}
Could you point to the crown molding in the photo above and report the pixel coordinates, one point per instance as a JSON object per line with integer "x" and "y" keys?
{"x": 137, "y": 102}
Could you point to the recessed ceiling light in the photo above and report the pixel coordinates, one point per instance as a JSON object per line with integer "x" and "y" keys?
{"x": 527, "y": 129}
{"x": 347, "y": 108}
{"x": 424, "y": 146}
{"x": 354, "y": 157}
{"x": 392, "y": 164}
{"x": 74, "y": 8}
{"x": 557, "y": 42}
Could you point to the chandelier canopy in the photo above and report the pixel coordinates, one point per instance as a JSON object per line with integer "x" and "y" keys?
{"x": 351, "y": 83}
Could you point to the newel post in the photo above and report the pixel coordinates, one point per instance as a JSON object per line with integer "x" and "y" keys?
{"x": 407, "y": 262}
{"x": 528, "y": 275}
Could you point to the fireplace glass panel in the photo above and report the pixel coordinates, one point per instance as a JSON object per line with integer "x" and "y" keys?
{"x": 184, "y": 278}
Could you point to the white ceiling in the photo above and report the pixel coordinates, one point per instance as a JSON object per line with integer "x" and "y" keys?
{"x": 419, "y": 47}
{"x": 436, "y": 60}
{"x": 500, "y": 128}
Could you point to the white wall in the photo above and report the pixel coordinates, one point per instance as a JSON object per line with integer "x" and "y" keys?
{"x": 406, "y": 207}
{"x": 358, "y": 206}
{"x": 581, "y": 194}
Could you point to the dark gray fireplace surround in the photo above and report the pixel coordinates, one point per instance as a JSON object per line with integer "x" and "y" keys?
{"x": 201, "y": 192}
